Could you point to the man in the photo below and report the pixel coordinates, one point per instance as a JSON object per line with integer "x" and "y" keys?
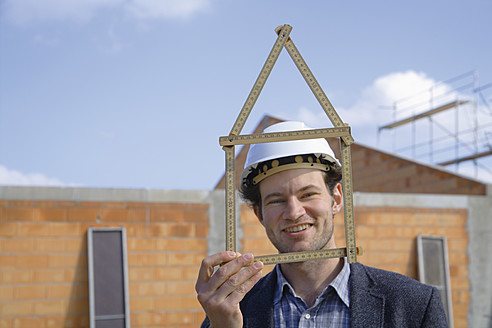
{"x": 294, "y": 189}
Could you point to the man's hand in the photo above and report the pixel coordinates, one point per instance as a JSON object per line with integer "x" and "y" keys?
{"x": 219, "y": 293}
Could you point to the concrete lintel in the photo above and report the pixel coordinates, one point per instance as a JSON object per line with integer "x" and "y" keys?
{"x": 102, "y": 194}
{"x": 410, "y": 200}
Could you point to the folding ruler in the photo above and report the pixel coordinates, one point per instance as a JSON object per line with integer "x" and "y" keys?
{"x": 340, "y": 130}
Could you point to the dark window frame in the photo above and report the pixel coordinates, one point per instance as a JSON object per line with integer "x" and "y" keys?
{"x": 104, "y": 319}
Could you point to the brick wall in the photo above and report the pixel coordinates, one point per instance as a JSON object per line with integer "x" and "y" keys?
{"x": 43, "y": 256}
{"x": 388, "y": 237}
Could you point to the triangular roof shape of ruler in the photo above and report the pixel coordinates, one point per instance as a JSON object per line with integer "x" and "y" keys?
{"x": 340, "y": 130}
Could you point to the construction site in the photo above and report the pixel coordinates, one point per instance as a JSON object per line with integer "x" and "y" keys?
{"x": 418, "y": 204}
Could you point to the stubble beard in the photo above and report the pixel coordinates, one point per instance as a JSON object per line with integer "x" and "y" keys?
{"x": 320, "y": 243}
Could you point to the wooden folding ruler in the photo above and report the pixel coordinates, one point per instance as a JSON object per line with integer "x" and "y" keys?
{"x": 340, "y": 130}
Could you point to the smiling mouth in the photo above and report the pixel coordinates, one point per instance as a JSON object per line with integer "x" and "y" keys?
{"x": 298, "y": 228}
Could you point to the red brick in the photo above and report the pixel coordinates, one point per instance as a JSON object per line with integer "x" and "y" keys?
{"x": 49, "y": 307}
{"x": 45, "y": 203}
{"x": 113, "y": 215}
{"x": 27, "y": 322}
{"x": 78, "y": 275}
{"x": 141, "y": 303}
{"x": 49, "y": 276}
{"x": 140, "y": 230}
{"x": 66, "y": 260}
{"x": 176, "y": 303}
{"x": 247, "y": 215}
{"x": 460, "y": 310}
{"x": 180, "y": 259}
{"x": 137, "y": 205}
{"x": 68, "y": 321}
{"x": 366, "y": 231}
{"x": 67, "y": 291}
{"x": 166, "y": 215}
{"x": 253, "y": 230}
{"x": 141, "y": 244}
{"x": 147, "y": 259}
{"x": 31, "y": 260}
{"x": 66, "y": 229}
{"x": 459, "y": 321}
{"x": 76, "y": 245}
{"x": 180, "y": 244}
{"x": 181, "y": 288}
{"x": 196, "y": 214}
{"x": 20, "y": 308}
{"x": 8, "y": 261}
{"x": 51, "y": 214}
{"x": 33, "y": 229}
{"x": 20, "y": 203}
{"x": 76, "y": 306}
{"x": 83, "y": 214}
{"x": 136, "y": 215}
{"x": 6, "y": 322}
{"x": 149, "y": 319}
{"x": 201, "y": 230}
{"x": 171, "y": 273}
{"x": 458, "y": 257}
{"x": 458, "y": 245}
{"x": 6, "y": 293}
{"x": 461, "y": 283}
{"x": 180, "y": 319}
{"x": 48, "y": 244}
{"x": 149, "y": 289}
{"x": 158, "y": 230}
{"x": 91, "y": 204}
{"x": 460, "y": 296}
{"x": 17, "y": 245}
{"x": 181, "y": 230}
{"x": 16, "y": 276}
{"x": 19, "y": 214}
{"x": 67, "y": 204}
{"x": 141, "y": 274}
{"x": 115, "y": 205}
{"x": 30, "y": 292}
{"x": 262, "y": 245}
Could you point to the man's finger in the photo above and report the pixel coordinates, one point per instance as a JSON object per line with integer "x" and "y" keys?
{"x": 209, "y": 263}
{"x": 238, "y": 294}
{"x": 233, "y": 275}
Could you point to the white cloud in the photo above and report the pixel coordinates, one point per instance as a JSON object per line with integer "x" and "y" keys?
{"x": 374, "y": 106}
{"x": 155, "y": 9}
{"x": 417, "y": 93}
{"x": 29, "y": 11}
{"x": 16, "y": 178}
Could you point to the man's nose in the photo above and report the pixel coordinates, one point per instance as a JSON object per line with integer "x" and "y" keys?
{"x": 294, "y": 209}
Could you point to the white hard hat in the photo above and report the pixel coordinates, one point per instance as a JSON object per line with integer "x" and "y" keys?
{"x": 294, "y": 149}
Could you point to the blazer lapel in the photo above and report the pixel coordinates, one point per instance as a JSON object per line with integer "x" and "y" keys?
{"x": 366, "y": 304}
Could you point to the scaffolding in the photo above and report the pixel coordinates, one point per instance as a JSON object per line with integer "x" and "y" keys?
{"x": 449, "y": 123}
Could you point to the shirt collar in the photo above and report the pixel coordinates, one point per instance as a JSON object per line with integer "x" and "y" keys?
{"x": 340, "y": 284}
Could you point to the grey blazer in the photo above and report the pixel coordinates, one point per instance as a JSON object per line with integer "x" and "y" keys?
{"x": 378, "y": 298}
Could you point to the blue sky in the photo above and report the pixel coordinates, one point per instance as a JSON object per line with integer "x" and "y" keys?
{"x": 135, "y": 93}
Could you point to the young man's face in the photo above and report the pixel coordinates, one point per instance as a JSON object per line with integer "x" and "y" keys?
{"x": 297, "y": 210}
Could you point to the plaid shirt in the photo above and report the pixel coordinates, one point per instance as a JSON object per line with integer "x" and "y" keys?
{"x": 331, "y": 308}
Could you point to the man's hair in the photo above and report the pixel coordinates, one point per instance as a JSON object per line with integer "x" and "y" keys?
{"x": 250, "y": 192}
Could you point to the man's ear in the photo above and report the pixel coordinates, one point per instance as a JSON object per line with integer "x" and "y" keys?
{"x": 258, "y": 214}
{"x": 337, "y": 199}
